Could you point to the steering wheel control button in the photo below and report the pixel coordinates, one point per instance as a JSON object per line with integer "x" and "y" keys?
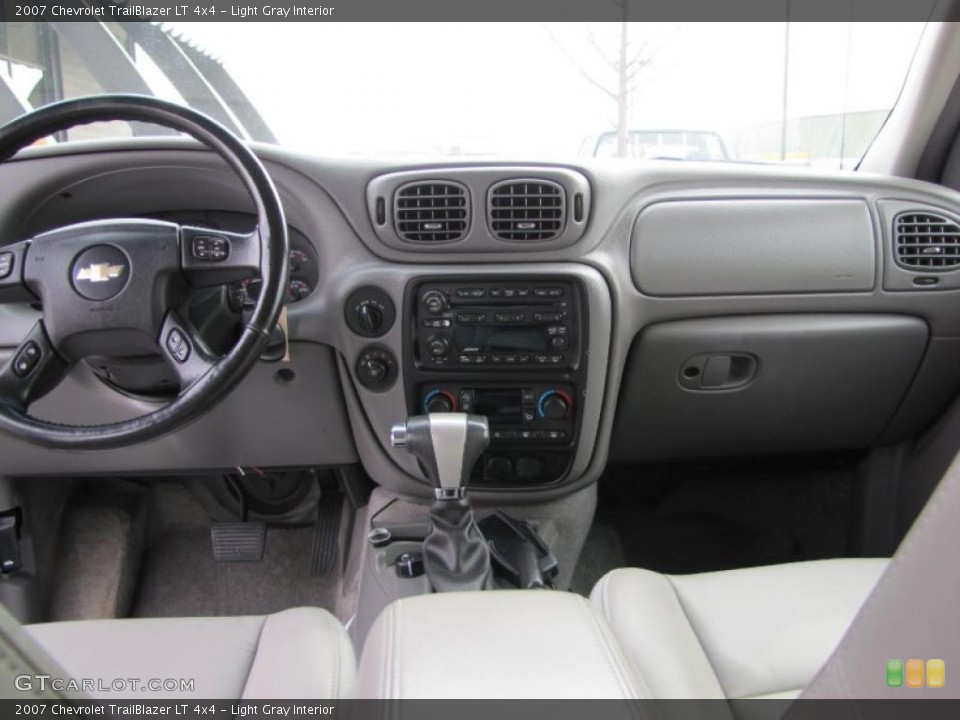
{"x": 6, "y": 265}
{"x": 211, "y": 248}
{"x": 100, "y": 272}
{"x": 27, "y": 359}
{"x": 178, "y": 345}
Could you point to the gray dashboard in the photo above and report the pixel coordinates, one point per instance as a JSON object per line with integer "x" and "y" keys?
{"x": 680, "y": 263}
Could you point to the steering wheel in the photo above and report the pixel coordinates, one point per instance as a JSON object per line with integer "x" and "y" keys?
{"x": 117, "y": 287}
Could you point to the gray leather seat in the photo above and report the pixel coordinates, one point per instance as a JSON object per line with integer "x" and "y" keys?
{"x": 299, "y": 653}
{"x": 757, "y": 632}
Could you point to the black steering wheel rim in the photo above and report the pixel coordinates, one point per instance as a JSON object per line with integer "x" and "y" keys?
{"x": 227, "y": 371}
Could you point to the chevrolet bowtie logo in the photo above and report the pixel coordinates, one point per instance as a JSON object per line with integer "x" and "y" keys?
{"x": 100, "y": 272}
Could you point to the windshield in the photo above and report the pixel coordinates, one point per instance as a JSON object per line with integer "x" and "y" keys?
{"x": 800, "y": 93}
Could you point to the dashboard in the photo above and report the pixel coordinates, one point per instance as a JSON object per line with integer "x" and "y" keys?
{"x": 600, "y": 313}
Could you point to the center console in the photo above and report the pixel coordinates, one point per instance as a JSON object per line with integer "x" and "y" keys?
{"x": 509, "y": 348}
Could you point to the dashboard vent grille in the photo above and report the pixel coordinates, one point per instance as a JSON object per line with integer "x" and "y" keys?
{"x": 431, "y": 211}
{"x": 527, "y": 210}
{"x": 927, "y": 241}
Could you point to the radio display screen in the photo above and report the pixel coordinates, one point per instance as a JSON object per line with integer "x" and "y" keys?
{"x": 500, "y": 338}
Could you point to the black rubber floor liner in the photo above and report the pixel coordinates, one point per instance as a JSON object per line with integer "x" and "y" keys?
{"x": 326, "y": 533}
{"x": 238, "y": 542}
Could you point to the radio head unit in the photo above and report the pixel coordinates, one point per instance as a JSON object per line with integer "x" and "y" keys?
{"x": 489, "y": 324}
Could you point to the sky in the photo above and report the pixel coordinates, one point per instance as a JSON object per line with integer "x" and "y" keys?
{"x": 531, "y": 88}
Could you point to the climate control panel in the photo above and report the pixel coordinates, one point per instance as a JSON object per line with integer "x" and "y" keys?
{"x": 519, "y": 415}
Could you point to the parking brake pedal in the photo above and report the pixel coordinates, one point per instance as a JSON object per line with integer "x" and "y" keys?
{"x": 238, "y": 542}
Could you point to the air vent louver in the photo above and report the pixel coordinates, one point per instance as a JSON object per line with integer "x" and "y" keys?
{"x": 527, "y": 210}
{"x": 927, "y": 241}
{"x": 431, "y": 212}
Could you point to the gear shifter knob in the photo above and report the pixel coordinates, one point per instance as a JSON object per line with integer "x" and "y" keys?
{"x": 447, "y": 446}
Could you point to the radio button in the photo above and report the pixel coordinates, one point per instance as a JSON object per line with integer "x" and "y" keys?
{"x": 509, "y": 292}
{"x": 559, "y": 343}
{"x": 496, "y": 292}
{"x": 548, "y": 317}
{"x": 471, "y": 292}
{"x": 528, "y": 396}
{"x": 496, "y": 359}
{"x": 471, "y": 317}
{"x": 556, "y": 330}
{"x": 548, "y": 292}
{"x": 517, "y": 317}
{"x": 436, "y": 323}
{"x": 510, "y": 359}
{"x": 555, "y": 359}
{"x": 523, "y": 358}
{"x": 523, "y": 292}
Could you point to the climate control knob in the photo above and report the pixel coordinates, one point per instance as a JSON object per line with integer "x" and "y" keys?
{"x": 439, "y": 401}
{"x": 554, "y": 405}
{"x": 434, "y": 301}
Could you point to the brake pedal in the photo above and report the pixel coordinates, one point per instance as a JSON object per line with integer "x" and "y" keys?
{"x": 238, "y": 542}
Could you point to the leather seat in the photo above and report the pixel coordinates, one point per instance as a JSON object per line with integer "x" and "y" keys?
{"x": 299, "y": 653}
{"x": 757, "y": 632}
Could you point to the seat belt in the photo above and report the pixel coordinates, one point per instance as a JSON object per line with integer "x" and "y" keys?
{"x": 913, "y": 614}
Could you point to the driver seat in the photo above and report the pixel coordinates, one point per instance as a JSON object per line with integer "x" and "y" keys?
{"x": 298, "y": 653}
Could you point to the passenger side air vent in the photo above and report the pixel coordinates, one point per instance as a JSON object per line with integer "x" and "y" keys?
{"x": 527, "y": 210}
{"x": 431, "y": 211}
{"x": 926, "y": 241}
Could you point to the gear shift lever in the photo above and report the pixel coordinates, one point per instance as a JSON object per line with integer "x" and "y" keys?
{"x": 447, "y": 445}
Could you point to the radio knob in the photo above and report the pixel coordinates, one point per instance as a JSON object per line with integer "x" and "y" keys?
{"x": 437, "y": 345}
{"x": 553, "y": 405}
{"x": 434, "y": 301}
{"x": 439, "y": 401}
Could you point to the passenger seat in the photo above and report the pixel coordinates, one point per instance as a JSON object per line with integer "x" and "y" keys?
{"x": 762, "y": 632}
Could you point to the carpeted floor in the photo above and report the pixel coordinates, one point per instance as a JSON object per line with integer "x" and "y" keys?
{"x": 143, "y": 549}
{"x": 179, "y": 577}
{"x": 690, "y": 519}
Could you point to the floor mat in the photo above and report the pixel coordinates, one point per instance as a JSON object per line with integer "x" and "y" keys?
{"x": 179, "y": 577}
{"x": 690, "y": 519}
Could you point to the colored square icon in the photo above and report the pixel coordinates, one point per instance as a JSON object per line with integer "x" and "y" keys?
{"x": 894, "y": 673}
{"x": 936, "y": 673}
{"x": 914, "y": 673}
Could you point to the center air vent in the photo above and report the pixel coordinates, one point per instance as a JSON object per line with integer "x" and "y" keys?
{"x": 927, "y": 241}
{"x": 431, "y": 211}
{"x": 527, "y": 210}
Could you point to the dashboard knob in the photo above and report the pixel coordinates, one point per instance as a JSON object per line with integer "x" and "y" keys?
{"x": 434, "y": 301}
{"x": 373, "y": 370}
{"x": 439, "y": 401}
{"x": 437, "y": 345}
{"x": 370, "y": 317}
{"x": 553, "y": 405}
{"x": 376, "y": 368}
